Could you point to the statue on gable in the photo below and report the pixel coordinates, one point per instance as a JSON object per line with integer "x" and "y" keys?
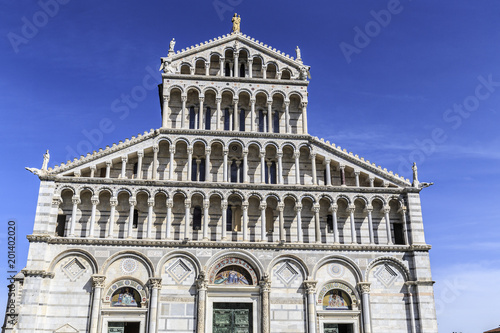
{"x": 416, "y": 182}
{"x": 299, "y": 56}
{"x": 236, "y": 23}
{"x": 46, "y": 158}
{"x": 172, "y": 45}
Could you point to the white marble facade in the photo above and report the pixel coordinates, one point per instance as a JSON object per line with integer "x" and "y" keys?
{"x": 229, "y": 204}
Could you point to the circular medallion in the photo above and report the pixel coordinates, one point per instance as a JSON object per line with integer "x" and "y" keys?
{"x": 129, "y": 265}
{"x": 336, "y": 270}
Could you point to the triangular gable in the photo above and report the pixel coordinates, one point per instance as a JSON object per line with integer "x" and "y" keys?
{"x": 66, "y": 329}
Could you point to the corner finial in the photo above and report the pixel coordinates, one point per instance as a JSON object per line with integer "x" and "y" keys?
{"x": 236, "y": 24}
{"x": 299, "y": 56}
{"x": 171, "y": 48}
{"x": 46, "y": 158}
{"x": 415, "y": 175}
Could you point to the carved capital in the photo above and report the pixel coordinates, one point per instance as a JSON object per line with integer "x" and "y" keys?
{"x": 333, "y": 208}
{"x": 206, "y": 204}
{"x": 281, "y": 206}
{"x": 124, "y": 159}
{"x": 310, "y": 286}
{"x": 93, "y": 167}
{"x": 351, "y": 209}
{"x": 208, "y": 151}
{"x": 154, "y": 283}
{"x": 296, "y": 154}
{"x": 98, "y": 281}
{"x": 183, "y": 99}
{"x": 252, "y": 101}
{"x": 132, "y": 201}
{"x": 187, "y": 203}
{"x": 263, "y": 205}
{"x": 218, "y": 100}
{"x": 364, "y": 287}
{"x": 140, "y": 153}
{"x": 156, "y": 149}
{"x": 113, "y": 201}
{"x": 56, "y": 201}
{"x": 315, "y": 208}
{"x": 279, "y": 154}
{"x": 385, "y": 209}
{"x": 190, "y": 150}
{"x": 287, "y": 103}
{"x": 224, "y": 204}
{"x": 298, "y": 207}
{"x": 94, "y": 200}
{"x": 303, "y": 104}
{"x": 151, "y": 202}
{"x": 109, "y": 163}
{"x": 76, "y": 200}
{"x": 245, "y": 205}
{"x": 369, "y": 209}
{"x": 201, "y": 281}
{"x": 265, "y": 283}
{"x": 313, "y": 156}
{"x": 201, "y": 99}
{"x": 170, "y": 203}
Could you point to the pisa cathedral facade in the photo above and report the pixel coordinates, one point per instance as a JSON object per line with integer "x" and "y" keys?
{"x": 228, "y": 218}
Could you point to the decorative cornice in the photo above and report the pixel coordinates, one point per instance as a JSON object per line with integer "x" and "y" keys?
{"x": 37, "y": 273}
{"x": 197, "y": 78}
{"x": 223, "y": 244}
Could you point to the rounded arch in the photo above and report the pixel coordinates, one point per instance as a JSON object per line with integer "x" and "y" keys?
{"x": 239, "y": 194}
{"x": 199, "y": 58}
{"x": 273, "y": 195}
{"x": 177, "y": 140}
{"x": 201, "y": 140}
{"x": 235, "y": 140}
{"x": 305, "y": 145}
{"x": 102, "y": 189}
{"x": 78, "y": 253}
{"x": 254, "y": 194}
{"x": 350, "y": 290}
{"x": 212, "y": 89}
{"x": 179, "y": 253}
{"x": 160, "y": 139}
{"x": 142, "y": 190}
{"x": 295, "y": 93}
{"x": 272, "y": 62}
{"x": 198, "y": 192}
{"x": 391, "y": 260}
{"x": 362, "y": 198}
{"x": 254, "y": 143}
{"x": 289, "y": 257}
{"x": 256, "y": 55}
{"x": 61, "y": 189}
{"x": 219, "y": 141}
{"x": 377, "y": 197}
{"x": 123, "y": 189}
{"x": 175, "y": 87}
{"x": 215, "y": 193}
{"x": 84, "y": 188}
{"x": 278, "y": 92}
{"x": 181, "y": 192}
{"x": 343, "y": 259}
{"x": 241, "y": 254}
{"x": 270, "y": 143}
{"x": 196, "y": 88}
{"x": 261, "y": 91}
{"x": 291, "y": 195}
{"x": 159, "y": 191}
{"x": 288, "y": 144}
{"x": 308, "y": 196}
{"x": 229, "y": 90}
{"x": 327, "y": 197}
{"x": 129, "y": 253}
{"x": 212, "y": 53}
{"x": 344, "y": 197}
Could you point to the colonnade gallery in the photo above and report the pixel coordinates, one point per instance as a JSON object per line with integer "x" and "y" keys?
{"x": 230, "y": 217}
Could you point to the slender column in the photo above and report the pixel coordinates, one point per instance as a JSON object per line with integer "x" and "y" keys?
{"x": 269, "y": 163}
{"x": 221, "y": 67}
{"x": 328, "y": 173}
{"x": 313, "y": 167}
{"x": 342, "y": 175}
{"x": 187, "y": 215}
{"x": 265, "y": 289}
{"x": 93, "y": 169}
{"x": 269, "y": 116}
{"x": 252, "y": 114}
{"x": 311, "y": 309}
{"x": 262, "y": 167}
{"x": 151, "y": 203}
{"x": 245, "y": 166}
{"x": 198, "y": 175}
{"x": 224, "y": 166}
{"x": 411, "y": 290}
{"x": 297, "y": 167}
{"x": 140, "y": 155}
{"x": 236, "y": 118}
{"x": 372, "y": 182}
{"x": 164, "y": 116}
{"x": 207, "y": 68}
{"x": 224, "y": 219}
{"x": 170, "y": 204}
{"x": 304, "y": 117}
{"x": 356, "y": 175}
{"x": 200, "y": 113}
{"x": 108, "y": 168}
{"x": 171, "y": 163}
{"x": 280, "y": 167}
{"x": 113, "y": 202}
{"x": 190, "y": 163}
{"x": 97, "y": 284}
{"x": 95, "y": 201}
{"x": 402, "y": 210}
{"x": 334, "y": 208}
{"x": 124, "y": 167}
{"x": 206, "y": 205}
{"x": 264, "y": 72}
{"x": 236, "y": 69}
{"x": 386, "y": 211}
{"x": 201, "y": 285}
{"x": 351, "y": 209}
{"x": 281, "y": 208}
{"x": 298, "y": 211}
{"x": 183, "y": 111}
{"x": 238, "y": 178}
{"x": 364, "y": 288}
{"x": 207, "y": 164}
{"x": 244, "y": 207}
{"x": 231, "y": 128}
{"x": 317, "y": 230}
{"x": 264, "y": 117}
{"x": 263, "y": 230}
{"x": 250, "y": 64}
{"x": 154, "y": 175}
{"x": 217, "y": 115}
{"x": 76, "y": 201}
{"x": 132, "y": 202}
{"x": 154, "y": 284}
{"x": 369, "y": 210}
{"x": 287, "y": 116}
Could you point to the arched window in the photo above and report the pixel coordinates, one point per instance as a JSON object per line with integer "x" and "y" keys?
{"x": 126, "y": 297}
{"x": 276, "y": 122}
{"x": 227, "y": 69}
{"x": 192, "y": 118}
{"x": 226, "y": 119}
{"x": 261, "y": 121}
{"x": 242, "y": 120}
{"x": 336, "y": 299}
{"x": 208, "y": 117}
{"x": 242, "y": 70}
{"x": 197, "y": 218}
{"x": 233, "y": 275}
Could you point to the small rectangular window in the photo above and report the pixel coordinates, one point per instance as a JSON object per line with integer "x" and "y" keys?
{"x": 135, "y": 220}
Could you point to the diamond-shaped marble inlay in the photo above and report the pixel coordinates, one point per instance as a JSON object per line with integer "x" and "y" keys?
{"x": 73, "y": 269}
{"x": 286, "y": 273}
{"x": 178, "y": 271}
{"x": 386, "y": 275}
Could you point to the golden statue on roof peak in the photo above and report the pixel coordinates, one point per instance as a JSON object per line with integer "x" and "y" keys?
{"x": 236, "y": 23}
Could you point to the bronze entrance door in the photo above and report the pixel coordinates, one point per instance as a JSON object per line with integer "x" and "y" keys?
{"x": 337, "y": 328}
{"x": 123, "y": 327}
{"x": 232, "y": 318}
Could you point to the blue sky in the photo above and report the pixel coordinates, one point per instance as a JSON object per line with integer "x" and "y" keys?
{"x": 393, "y": 97}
